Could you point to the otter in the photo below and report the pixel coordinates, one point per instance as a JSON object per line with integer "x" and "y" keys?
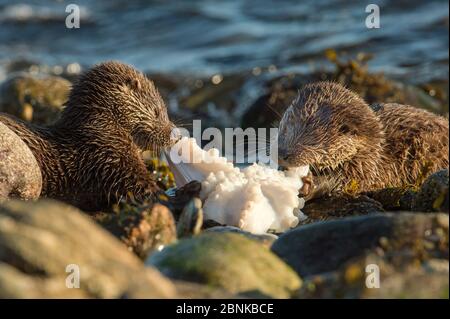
{"x": 355, "y": 148}
{"x": 91, "y": 156}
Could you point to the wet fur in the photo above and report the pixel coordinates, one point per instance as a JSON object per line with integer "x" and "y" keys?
{"x": 354, "y": 148}
{"x": 91, "y": 156}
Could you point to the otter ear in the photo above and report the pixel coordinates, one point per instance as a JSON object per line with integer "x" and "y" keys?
{"x": 133, "y": 84}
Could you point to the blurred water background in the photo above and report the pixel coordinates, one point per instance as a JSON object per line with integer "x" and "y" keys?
{"x": 206, "y": 37}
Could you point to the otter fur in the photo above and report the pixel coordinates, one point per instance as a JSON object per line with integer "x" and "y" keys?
{"x": 352, "y": 147}
{"x": 90, "y": 157}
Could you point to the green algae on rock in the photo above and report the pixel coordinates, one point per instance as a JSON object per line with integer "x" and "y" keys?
{"x": 265, "y": 239}
{"x": 159, "y": 171}
{"x": 229, "y": 261}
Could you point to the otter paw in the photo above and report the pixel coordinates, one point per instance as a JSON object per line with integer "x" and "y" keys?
{"x": 308, "y": 186}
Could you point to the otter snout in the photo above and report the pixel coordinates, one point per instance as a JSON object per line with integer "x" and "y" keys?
{"x": 284, "y": 158}
{"x": 175, "y": 135}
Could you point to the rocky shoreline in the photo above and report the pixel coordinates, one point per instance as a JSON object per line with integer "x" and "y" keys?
{"x": 142, "y": 250}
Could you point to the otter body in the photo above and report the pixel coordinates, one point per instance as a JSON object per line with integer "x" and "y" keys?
{"x": 90, "y": 157}
{"x": 354, "y": 148}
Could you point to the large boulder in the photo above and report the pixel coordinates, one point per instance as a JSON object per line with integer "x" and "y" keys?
{"x": 325, "y": 246}
{"x": 20, "y": 175}
{"x": 45, "y": 245}
{"x": 229, "y": 261}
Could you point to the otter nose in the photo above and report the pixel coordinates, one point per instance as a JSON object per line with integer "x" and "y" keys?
{"x": 283, "y": 159}
{"x": 175, "y": 135}
{"x": 283, "y": 154}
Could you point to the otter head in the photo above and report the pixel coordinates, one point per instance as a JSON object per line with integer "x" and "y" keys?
{"x": 114, "y": 93}
{"x": 325, "y": 127}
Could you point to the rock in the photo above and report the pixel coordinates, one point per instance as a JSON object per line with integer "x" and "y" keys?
{"x": 39, "y": 240}
{"x": 393, "y": 281}
{"x": 20, "y": 175}
{"x": 325, "y": 246}
{"x": 433, "y": 194}
{"x": 218, "y": 91}
{"x": 166, "y": 83}
{"x": 265, "y": 239}
{"x": 179, "y": 197}
{"x": 228, "y": 261}
{"x": 143, "y": 227}
{"x": 394, "y": 198}
{"x": 193, "y": 290}
{"x": 338, "y": 206}
{"x": 191, "y": 219}
{"x": 38, "y": 99}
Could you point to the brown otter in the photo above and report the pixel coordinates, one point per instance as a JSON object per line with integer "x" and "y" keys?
{"x": 355, "y": 148}
{"x": 90, "y": 157}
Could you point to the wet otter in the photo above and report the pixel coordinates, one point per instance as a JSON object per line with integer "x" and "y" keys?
{"x": 90, "y": 157}
{"x": 355, "y": 148}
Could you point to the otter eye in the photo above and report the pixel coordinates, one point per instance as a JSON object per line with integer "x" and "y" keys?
{"x": 344, "y": 129}
{"x": 133, "y": 84}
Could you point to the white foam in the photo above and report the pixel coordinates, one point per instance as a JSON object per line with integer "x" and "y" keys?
{"x": 256, "y": 198}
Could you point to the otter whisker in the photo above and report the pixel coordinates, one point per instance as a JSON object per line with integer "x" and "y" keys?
{"x": 277, "y": 113}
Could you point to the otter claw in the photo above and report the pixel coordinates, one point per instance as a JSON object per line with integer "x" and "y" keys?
{"x": 308, "y": 186}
